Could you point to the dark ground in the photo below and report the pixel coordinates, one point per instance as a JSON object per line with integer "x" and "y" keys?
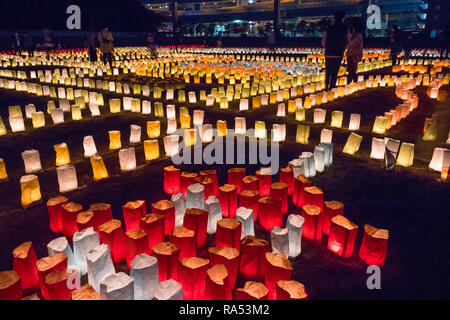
{"x": 410, "y": 202}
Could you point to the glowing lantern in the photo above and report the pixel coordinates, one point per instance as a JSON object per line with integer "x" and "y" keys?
{"x": 337, "y": 118}
{"x": 260, "y": 129}
{"x": 167, "y": 254}
{"x": 17, "y": 124}
{"x": 46, "y": 265}
{"x": 406, "y": 155}
{"x": 239, "y": 125}
{"x": 29, "y": 110}
{"x": 153, "y": 129}
{"x": 235, "y": 176}
{"x": 98, "y": 168}
{"x": 54, "y": 206}
{"x": 197, "y": 221}
{"x": 171, "y": 145}
{"x": 342, "y": 235}
{"x": 67, "y": 178}
{"x": 228, "y": 200}
{"x": 355, "y": 120}
{"x": 135, "y": 134}
{"x": 38, "y": 119}
{"x": 3, "y": 174}
{"x": 373, "y": 248}
{"x": 252, "y": 262}
{"x": 2, "y": 127}
{"x": 300, "y": 114}
{"x": 11, "y": 286}
{"x": 114, "y": 105}
{"x": 136, "y": 242}
{"x": 114, "y": 140}
{"x": 431, "y": 132}
{"x": 192, "y": 275}
{"x": 279, "y": 132}
{"x": 380, "y": 125}
{"x": 319, "y": 115}
{"x": 228, "y": 233}
{"x": 290, "y": 290}
{"x": 159, "y": 111}
{"x": 213, "y": 175}
{"x": 111, "y": 234}
{"x": 132, "y": 213}
{"x": 302, "y": 134}
{"x": 378, "y": 148}
{"x": 146, "y": 107}
{"x": 171, "y": 180}
{"x": 243, "y": 105}
{"x": 57, "y": 118}
{"x": 31, "y": 192}
{"x": 127, "y": 159}
{"x": 32, "y": 161}
{"x": 279, "y": 190}
{"x": 269, "y": 212}
{"x": 352, "y": 144}
{"x": 76, "y": 112}
{"x": 167, "y": 209}
{"x": 69, "y": 212}
{"x": 184, "y": 239}
{"x": 298, "y": 196}
{"x": 440, "y": 156}
{"x": 264, "y": 176}
{"x": 62, "y": 154}
{"x": 221, "y": 127}
{"x": 24, "y": 263}
{"x": 251, "y": 291}
{"x": 198, "y": 117}
{"x": 277, "y": 268}
{"x": 210, "y": 100}
{"x": 312, "y": 227}
{"x": 153, "y": 225}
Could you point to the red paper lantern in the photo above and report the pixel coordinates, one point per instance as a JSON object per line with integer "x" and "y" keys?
{"x": 186, "y": 179}
{"x": 374, "y": 245}
{"x": 228, "y": 200}
{"x": 291, "y": 290}
{"x": 264, "y": 182}
{"x": 167, "y": 209}
{"x": 252, "y": 263}
{"x": 208, "y": 184}
{"x": 184, "y": 239}
{"x": 132, "y": 212}
{"x": 235, "y": 176}
{"x": 249, "y": 199}
{"x": 111, "y": 234}
{"x": 56, "y": 283}
{"x": 69, "y": 215}
{"x": 287, "y": 176}
{"x": 314, "y": 196}
{"x": 228, "y": 233}
{"x": 277, "y": 268}
{"x": 85, "y": 220}
{"x": 24, "y": 263}
{"x": 279, "y": 190}
{"x": 249, "y": 183}
{"x": 213, "y": 175}
{"x": 52, "y": 263}
{"x": 341, "y": 239}
{"x": 86, "y": 292}
{"x": 298, "y": 195}
{"x": 330, "y": 210}
{"x": 192, "y": 276}
{"x": 252, "y": 291}
{"x": 197, "y": 221}
{"x": 229, "y": 257}
{"x": 102, "y": 213}
{"x": 269, "y": 211}
{"x": 136, "y": 243}
{"x": 153, "y": 225}
{"x": 312, "y": 227}
{"x": 171, "y": 180}
{"x": 167, "y": 254}
{"x": 54, "y": 207}
{"x": 218, "y": 283}
{"x": 10, "y": 285}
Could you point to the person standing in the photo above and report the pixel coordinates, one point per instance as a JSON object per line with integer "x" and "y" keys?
{"x": 89, "y": 43}
{"x": 355, "y": 50}
{"x": 28, "y": 43}
{"x": 17, "y": 43}
{"x": 334, "y": 40}
{"x": 395, "y": 43}
{"x": 150, "y": 43}
{"x": 106, "y": 40}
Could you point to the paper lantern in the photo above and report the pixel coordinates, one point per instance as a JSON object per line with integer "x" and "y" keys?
{"x": 302, "y": 134}
{"x": 132, "y": 213}
{"x": 342, "y": 235}
{"x": 243, "y": 104}
{"x": 319, "y": 158}
{"x": 300, "y": 114}
{"x": 406, "y": 155}
{"x": 290, "y": 290}
{"x": 153, "y": 225}
{"x": 439, "y": 158}
{"x": 171, "y": 180}
{"x": 118, "y": 286}
{"x": 167, "y": 209}
{"x": 352, "y": 144}
{"x": 38, "y": 119}
{"x": 83, "y": 242}
{"x": 287, "y": 177}
{"x": 277, "y": 268}
{"x": 198, "y": 117}
{"x": 249, "y": 199}
{"x": 229, "y": 257}
{"x": 264, "y": 176}
{"x": 260, "y": 129}
{"x": 187, "y": 179}
{"x": 86, "y": 292}
{"x": 184, "y": 239}
{"x": 127, "y": 159}
{"x": 159, "y": 111}
{"x": 213, "y": 175}
{"x": 380, "y": 125}
{"x": 239, "y": 125}
{"x": 252, "y": 264}
{"x": 167, "y": 254}
{"x": 378, "y": 148}
{"x": 278, "y": 132}
{"x": 98, "y": 168}
{"x": 11, "y": 285}
{"x": 279, "y": 190}
{"x": 114, "y": 140}
{"x": 210, "y": 100}
{"x": 197, "y": 221}
{"x": 24, "y": 263}
{"x": 100, "y": 266}
{"x": 136, "y": 242}
{"x": 337, "y": 118}
{"x": 52, "y": 263}
{"x": 56, "y": 283}
{"x": 153, "y": 129}
{"x": 319, "y": 115}
{"x": 312, "y": 228}
{"x": 308, "y": 164}
{"x": 2, "y": 127}
{"x": 32, "y": 161}
{"x": 57, "y": 118}
{"x": 298, "y": 196}
{"x": 54, "y": 206}
{"x": 206, "y": 133}
{"x": 431, "y": 132}
{"x": 269, "y": 212}
{"x": 16, "y": 123}
{"x": 89, "y": 146}
{"x": 171, "y": 145}
{"x": 373, "y": 248}
{"x": 111, "y": 233}
{"x": 294, "y": 225}
{"x": 29, "y": 110}
{"x": 228, "y": 200}
{"x": 217, "y": 283}
{"x": 195, "y": 196}
{"x": 192, "y": 275}
{"x": 251, "y": 291}
{"x": 69, "y": 212}
{"x": 67, "y": 178}
{"x": 228, "y": 233}
{"x": 151, "y": 150}
{"x": 76, "y": 112}
{"x": 235, "y": 176}
{"x": 169, "y": 290}
{"x": 221, "y": 127}
{"x": 3, "y": 174}
{"x": 355, "y": 120}
{"x": 114, "y": 105}
{"x": 62, "y": 154}
{"x": 144, "y": 271}
{"x": 135, "y": 134}
{"x": 31, "y": 191}
{"x": 245, "y": 217}
{"x": 331, "y": 209}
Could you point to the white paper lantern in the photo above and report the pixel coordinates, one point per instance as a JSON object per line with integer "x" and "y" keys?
{"x": 146, "y": 107}
{"x": 210, "y": 100}
{"x": 212, "y": 205}
{"x": 280, "y": 96}
{"x": 437, "y": 161}
{"x": 64, "y": 104}
{"x": 378, "y": 148}
{"x": 171, "y": 125}
{"x": 29, "y": 110}
{"x": 89, "y": 146}
{"x": 83, "y": 242}
{"x": 245, "y": 217}
{"x": 240, "y": 125}
{"x": 67, "y": 178}
{"x": 319, "y": 158}
{"x": 326, "y": 135}
{"x": 144, "y": 271}
{"x": 57, "y": 115}
{"x": 279, "y": 132}
{"x": 328, "y": 148}
{"x": 207, "y": 133}
{"x": 61, "y": 93}
{"x": 126, "y": 103}
{"x": 294, "y": 224}
{"x": 281, "y": 112}
{"x": 171, "y": 145}
{"x": 180, "y": 208}
{"x": 127, "y": 159}
{"x": 135, "y": 134}
{"x": 355, "y": 119}
{"x": 192, "y": 97}
{"x": 93, "y": 107}
{"x": 170, "y": 109}
{"x": 146, "y": 90}
{"x": 195, "y": 196}
{"x": 32, "y": 161}
{"x": 170, "y": 94}
{"x": 279, "y": 240}
{"x": 17, "y": 124}
{"x": 99, "y": 265}
{"x": 297, "y": 166}
{"x": 319, "y": 115}
{"x": 265, "y": 100}
{"x": 198, "y": 117}
{"x": 243, "y": 105}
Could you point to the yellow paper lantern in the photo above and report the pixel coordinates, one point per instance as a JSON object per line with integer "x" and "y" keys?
{"x": 292, "y": 105}
{"x": 337, "y": 118}
{"x": 353, "y": 143}
{"x": 159, "y": 111}
{"x": 76, "y": 112}
{"x": 38, "y": 119}
{"x": 223, "y": 103}
{"x": 2, "y": 127}
{"x": 307, "y": 103}
{"x": 31, "y": 190}
{"x": 114, "y": 105}
{"x": 50, "y": 106}
{"x": 221, "y": 126}
{"x": 3, "y": 174}
{"x": 260, "y": 129}
{"x": 302, "y": 134}
{"x": 62, "y": 154}
{"x": 114, "y": 140}
{"x": 185, "y": 120}
{"x": 380, "y": 125}
{"x": 153, "y": 129}
{"x": 189, "y": 137}
{"x": 300, "y": 114}
{"x": 406, "y": 155}
{"x": 136, "y": 105}
{"x": 98, "y": 168}
{"x": 431, "y": 132}
{"x": 256, "y": 102}
{"x": 181, "y": 96}
{"x": 151, "y": 149}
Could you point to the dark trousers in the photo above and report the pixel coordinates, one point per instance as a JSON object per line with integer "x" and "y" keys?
{"x": 332, "y": 69}
{"x": 107, "y": 57}
{"x": 352, "y": 66}
{"x": 394, "y": 58}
